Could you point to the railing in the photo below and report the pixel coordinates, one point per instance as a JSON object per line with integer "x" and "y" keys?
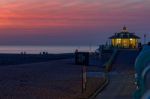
{"x": 142, "y": 68}
{"x": 108, "y": 64}
{"x": 143, "y": 84}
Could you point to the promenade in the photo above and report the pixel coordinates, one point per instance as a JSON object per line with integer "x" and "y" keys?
{"x": 121, "y": 85}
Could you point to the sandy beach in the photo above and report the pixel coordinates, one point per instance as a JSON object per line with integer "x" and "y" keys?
{"x": 54, "y": 79}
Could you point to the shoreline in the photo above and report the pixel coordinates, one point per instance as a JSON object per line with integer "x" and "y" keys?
{"x": 14, "y": 59}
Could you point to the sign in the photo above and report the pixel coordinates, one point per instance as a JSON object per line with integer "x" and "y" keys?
{"x": 82, "y": 58}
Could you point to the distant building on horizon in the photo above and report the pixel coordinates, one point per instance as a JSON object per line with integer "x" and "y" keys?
{"x": 124, "y": 39}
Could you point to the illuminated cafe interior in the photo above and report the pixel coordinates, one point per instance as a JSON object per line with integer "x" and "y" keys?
{"x": 124, "y": 39}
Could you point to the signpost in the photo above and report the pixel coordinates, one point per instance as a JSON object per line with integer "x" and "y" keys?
{"x": 84, "y": 78}
{"x": 82, "y": 58}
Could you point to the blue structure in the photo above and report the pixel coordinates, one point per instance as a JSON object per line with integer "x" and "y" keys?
{"x": 142, "y": 68}
{"x": 146, "y": 95}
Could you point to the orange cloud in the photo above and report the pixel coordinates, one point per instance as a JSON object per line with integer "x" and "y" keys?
{"x": 63, "y": 13}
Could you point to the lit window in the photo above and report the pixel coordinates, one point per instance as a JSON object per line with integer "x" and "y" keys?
{"x": 118, "y": 40}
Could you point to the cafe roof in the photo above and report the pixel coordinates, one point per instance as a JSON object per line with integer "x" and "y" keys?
{"x": 124, "y": 34}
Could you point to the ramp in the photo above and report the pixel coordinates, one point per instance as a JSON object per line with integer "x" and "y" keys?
{"x": 121, "y": 85}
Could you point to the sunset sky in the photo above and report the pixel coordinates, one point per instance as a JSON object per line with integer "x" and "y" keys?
{"x": 70, "y": 22}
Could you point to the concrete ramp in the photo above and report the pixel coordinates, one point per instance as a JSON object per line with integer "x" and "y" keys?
{"x": 121, "y": 85}
{"x": 124, "y": 61}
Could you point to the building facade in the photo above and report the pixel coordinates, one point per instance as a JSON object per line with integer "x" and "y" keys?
{"x": 124, "y": 39}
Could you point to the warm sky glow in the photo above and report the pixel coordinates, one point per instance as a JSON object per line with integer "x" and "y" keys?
{"x": 54, "y": 21}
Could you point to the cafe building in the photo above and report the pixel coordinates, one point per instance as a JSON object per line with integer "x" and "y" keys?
{"x": 124, "y": 39}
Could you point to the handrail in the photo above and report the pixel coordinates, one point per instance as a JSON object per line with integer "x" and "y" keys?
{"x": 145, "y": 71}
{"x": 142, "y": 87}
{"x": 110, "y": 61}
{"x": 146, "y": 95}
{"x": 142, "y": 60}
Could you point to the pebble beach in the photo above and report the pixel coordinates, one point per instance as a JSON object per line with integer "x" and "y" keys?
{"x": 55, "y": 78}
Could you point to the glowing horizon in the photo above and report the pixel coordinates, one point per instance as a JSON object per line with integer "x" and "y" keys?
{"x": 76, "y": 15}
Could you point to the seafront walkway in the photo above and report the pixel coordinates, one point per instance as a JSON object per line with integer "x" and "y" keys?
{"x": 121, "y": 84}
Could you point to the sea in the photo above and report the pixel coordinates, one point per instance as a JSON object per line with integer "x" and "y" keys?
{"x": 49, "y": 49}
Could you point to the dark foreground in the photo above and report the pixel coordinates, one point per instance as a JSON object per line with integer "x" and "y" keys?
{"x": 38, "y": 77}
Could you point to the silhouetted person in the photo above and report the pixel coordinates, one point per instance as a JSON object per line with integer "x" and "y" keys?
{"x": 140, "y": 46}
{"x": 148, "y": 43}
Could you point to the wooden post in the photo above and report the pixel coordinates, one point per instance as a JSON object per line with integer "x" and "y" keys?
{"x": 84, "y": 79}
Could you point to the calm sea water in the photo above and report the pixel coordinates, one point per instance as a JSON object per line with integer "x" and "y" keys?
{"x": 49, "y": 49}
